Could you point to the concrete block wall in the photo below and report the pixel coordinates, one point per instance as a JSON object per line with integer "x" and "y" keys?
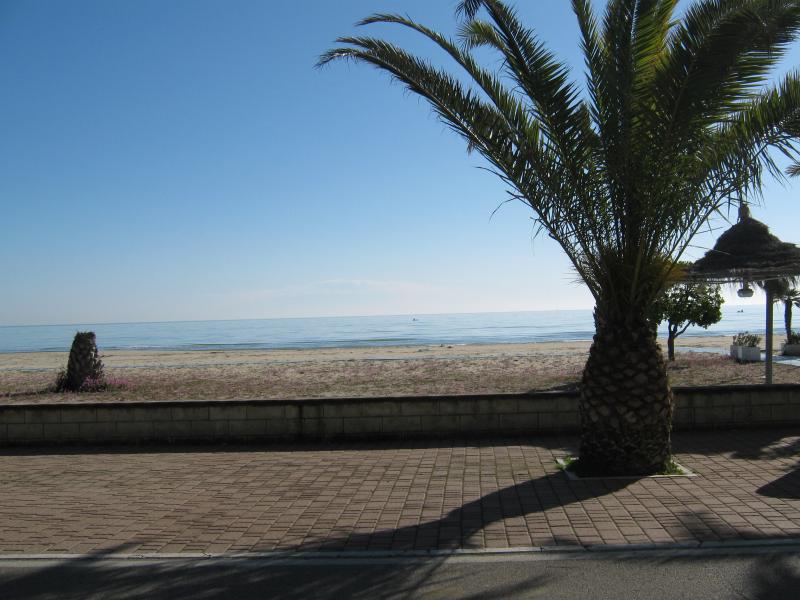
{"x": 376, "y": 418}
{"x": 148, "y": 421}
{"x": 736, "y": 406}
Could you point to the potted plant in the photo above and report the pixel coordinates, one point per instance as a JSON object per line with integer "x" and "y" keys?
{"x": 745, "y": 347}
{"x": 792, "y": 345}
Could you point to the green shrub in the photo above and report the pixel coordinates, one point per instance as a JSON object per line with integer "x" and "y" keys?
{"x": 84, "y": 370}
{"x": 745, "y": 338}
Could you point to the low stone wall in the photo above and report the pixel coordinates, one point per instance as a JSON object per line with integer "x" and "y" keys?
{"x": 375, "y": 418}
{"x": 736, "y": 406}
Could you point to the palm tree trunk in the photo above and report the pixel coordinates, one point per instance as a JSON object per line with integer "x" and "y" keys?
{"x": 626, "y": 401}
{"x": 787, "y": 319}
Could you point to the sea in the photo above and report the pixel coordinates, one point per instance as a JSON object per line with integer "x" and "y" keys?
{"x": 327, "y": 332}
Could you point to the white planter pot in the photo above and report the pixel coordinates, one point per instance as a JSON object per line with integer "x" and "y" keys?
{"x": 746, "y": 353}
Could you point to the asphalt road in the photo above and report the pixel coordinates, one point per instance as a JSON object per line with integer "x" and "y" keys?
{"x": 748, "y": 573}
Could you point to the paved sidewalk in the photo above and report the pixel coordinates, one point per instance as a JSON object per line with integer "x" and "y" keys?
{"x": 418, "y": 495}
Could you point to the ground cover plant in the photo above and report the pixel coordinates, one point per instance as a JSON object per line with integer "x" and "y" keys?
{"x": 572, "y": 464}
{"x": 676, "y": 120}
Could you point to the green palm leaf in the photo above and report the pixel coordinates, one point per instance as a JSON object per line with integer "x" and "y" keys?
{"x": 675, "y": 122}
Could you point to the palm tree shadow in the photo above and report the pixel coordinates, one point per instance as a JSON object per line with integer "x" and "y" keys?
{"x": 101, "y": 576}
{"x": 778, "y": 445}
{"x": 787, "y": 486}
{"x": 775, "y": 577}
{"x": 752, "y": 444}
{"x": 458, "y": 528}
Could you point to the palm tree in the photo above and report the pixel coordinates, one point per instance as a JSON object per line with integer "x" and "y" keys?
{"x": 674, "y": 123}
{"x": 790, "y": 299}
{"x": 782, "y": 291}
{"x": 790, "y": 296}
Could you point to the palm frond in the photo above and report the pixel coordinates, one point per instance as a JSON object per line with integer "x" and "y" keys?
{"x": 555, "y": 101}
{"x": 674, "y": 126}
{"x": 481, "y": 125}
{"x": 717, "y": 59}
{"x": 533, "y": 168}
{"x": 508, "y": 106}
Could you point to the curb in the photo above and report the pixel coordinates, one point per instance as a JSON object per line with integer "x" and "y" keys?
{"x": 540, "y": 551}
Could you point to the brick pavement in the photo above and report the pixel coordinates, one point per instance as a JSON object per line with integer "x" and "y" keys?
{"x": 419, "y": 495}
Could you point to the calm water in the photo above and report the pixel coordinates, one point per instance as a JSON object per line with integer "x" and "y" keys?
{"x": 478, "y": 328}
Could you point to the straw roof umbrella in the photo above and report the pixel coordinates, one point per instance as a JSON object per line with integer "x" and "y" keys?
{"x": 749, "y": 252}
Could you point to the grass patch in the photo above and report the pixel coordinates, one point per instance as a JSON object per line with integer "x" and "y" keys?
{"x": 572, "y": 465}
{"x": 673, "y": 468}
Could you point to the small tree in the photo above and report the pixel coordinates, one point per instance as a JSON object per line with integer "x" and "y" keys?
{"x": 687, "y": 304}
{"x": 83, "y": 364}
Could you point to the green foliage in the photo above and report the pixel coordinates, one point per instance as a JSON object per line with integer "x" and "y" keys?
{"x": 684, "y": 305}
{"x": 687, "y": 304}
{"x": 61, "y": 381}
{"x": 745, "y": 338}
{"x": 677, "y": 120}
{"x": 793, "y": 338}
{"x": 783, "y": 290}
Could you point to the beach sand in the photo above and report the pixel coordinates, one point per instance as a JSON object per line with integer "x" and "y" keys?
{"x": 157, "y": 375}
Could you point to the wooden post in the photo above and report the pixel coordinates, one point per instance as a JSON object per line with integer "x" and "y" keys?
{"x": 768, "y": 357}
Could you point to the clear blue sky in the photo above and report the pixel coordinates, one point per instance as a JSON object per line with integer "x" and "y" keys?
{"x": 184, "y": 160}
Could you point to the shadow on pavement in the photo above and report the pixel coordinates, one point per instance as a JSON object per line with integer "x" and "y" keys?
{"x": 181, "y": 447}
{"x": 97, "y": 577}
{"x": 777, "y": 444}
{"x": 766, "y": 443}
{"x": 179, "y": 579}
{"x": 775, "y": 577}
{"x": 765, "y": 576}
{"x": 92, "y": 578}
{"x": 752, "y": 444}
{"x": 605, "y": 575}
{"x": 787, "y": 487}
{"x": 456, "y": 528}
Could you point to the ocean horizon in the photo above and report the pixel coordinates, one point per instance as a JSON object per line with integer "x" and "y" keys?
{"x": 364, "y": 331}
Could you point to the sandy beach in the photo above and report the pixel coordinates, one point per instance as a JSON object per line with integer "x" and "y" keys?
{"x": 157, "y": 375}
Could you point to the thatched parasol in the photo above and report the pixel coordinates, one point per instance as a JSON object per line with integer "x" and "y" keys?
{"x": 749, "y": 252}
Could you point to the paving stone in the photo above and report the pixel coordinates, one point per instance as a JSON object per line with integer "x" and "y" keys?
{"x": 390, "y": 495}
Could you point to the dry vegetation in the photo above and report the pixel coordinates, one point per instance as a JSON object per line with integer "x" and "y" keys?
{"x": 328, "y": 376}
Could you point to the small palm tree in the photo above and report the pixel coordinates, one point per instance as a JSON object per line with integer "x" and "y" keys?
{"x": 782, "y": 291}
{"x": 790, "y": 296}
{"x": 790, "y": 299}
{"x": 674, "y": 123}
